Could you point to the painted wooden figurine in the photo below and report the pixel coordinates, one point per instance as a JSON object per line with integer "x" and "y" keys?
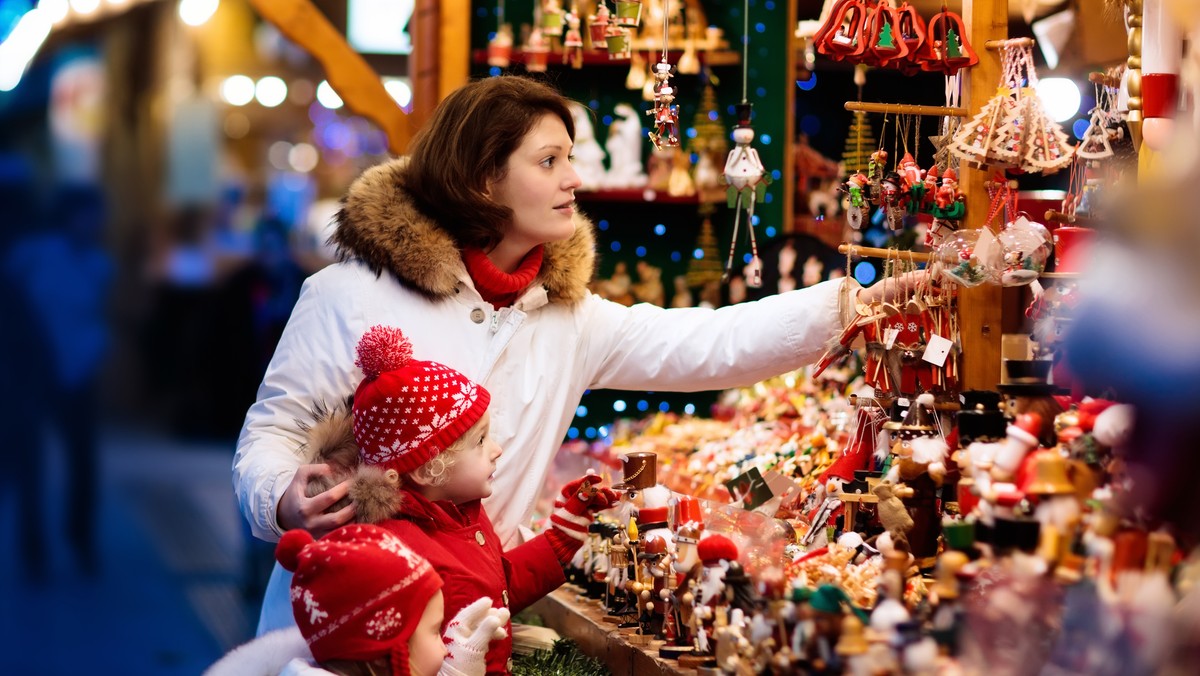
{"x": 747, "y": 180}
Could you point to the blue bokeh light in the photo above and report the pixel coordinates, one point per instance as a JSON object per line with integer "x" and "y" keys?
{"x": 864, "y": 272}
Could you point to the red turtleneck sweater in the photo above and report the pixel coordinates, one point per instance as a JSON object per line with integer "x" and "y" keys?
{"x": 497, "y": 287}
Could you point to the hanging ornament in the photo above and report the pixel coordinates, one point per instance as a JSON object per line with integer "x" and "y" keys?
{"x": 499, "y": 49}
{"x": 744, "y": 171}
{"x": 619, "y": 41}
{"x": 856, "y": 201}
{"x": 946, "y": 49}
{"x": 598, "y": 27}
{"x": 552, "y": 18}
{"x": 887, "y": 42}
{"x": 665, "y": 113}
{"x": 573, "y": 41}
{"x": 1095, "y": 145}
{"x": 747, "y": 180}
{"x": 912, "y": 32}
{"x": 629, "y": 13}
{"x": 842, "y": 36}
{"x": 536, "y": 51}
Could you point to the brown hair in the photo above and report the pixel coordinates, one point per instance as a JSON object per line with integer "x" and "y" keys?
{"x": 466, "y": 145}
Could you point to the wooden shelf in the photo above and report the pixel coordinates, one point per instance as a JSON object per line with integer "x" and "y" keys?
{"x": 1060, "y": 275}
{"x": 582, "y": 620}
{"x": 646, "y": 195}
{"x": 720, "y": 57}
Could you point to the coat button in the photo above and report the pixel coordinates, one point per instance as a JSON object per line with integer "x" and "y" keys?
{"x": 479, "y": 538}
{"x": 477, "y": 315}
{"x": 504, "y": 597}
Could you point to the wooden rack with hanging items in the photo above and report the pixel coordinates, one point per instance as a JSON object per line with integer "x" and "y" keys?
{"x": 894, "y": 254}
{"x": 903, "y": 109}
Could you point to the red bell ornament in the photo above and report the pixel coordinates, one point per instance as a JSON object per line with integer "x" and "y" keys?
{"x": 946, "y": 49}
{"x": 886, "y": 42}
{"x": 841, "y": 36}
{"x": 912, "y": 32}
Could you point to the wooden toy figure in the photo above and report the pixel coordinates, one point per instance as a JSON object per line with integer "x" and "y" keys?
{"x": 948, "y": 202}
{"x": 856, "y": 210}
{"x": 665, "y": 113}
{"x": 573, "y": 42}
{"x": 892, "y": 199}
{"x": 747, "y": 180}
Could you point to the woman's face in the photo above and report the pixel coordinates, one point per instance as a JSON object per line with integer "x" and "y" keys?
{"x": 539, "y": 185}
{"x": 426, "y": 651}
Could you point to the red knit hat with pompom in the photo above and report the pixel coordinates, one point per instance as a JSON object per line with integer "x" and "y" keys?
{"x": 407, "y": 411}
{"x": 358, "y": 593}
{"x": 716, "y": 548}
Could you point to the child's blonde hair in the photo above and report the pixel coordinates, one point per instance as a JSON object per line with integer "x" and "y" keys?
{"x": 436, "y": 472}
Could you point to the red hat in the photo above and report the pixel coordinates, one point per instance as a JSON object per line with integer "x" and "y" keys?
{"x": 407, "y": 411}
{"x": 358, "y": 593}
{"x": 716, "y": 548}
{"x": 1026, "y": 429}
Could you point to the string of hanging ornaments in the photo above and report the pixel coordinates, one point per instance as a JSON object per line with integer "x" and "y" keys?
{"x": 744, "y": 172}
{"x": 666, "y": 115}
{"x": 1012, "y": 130}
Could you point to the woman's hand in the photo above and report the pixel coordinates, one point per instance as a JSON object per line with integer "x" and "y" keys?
{"x": 891, "y": 289}
{"x": 295, "y": 510}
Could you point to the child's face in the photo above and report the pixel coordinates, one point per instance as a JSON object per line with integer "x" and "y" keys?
{"x": 425, "y": 647}
{"x": 471, "y": 477}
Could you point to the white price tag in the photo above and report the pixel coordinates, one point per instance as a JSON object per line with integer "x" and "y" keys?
{"x": 889, "y": 337}
{"x": 937, "y": 350}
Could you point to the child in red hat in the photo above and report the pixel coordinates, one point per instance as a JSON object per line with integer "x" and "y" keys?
{"x": 426, "y": 460}
{"x": 364, "y": 602}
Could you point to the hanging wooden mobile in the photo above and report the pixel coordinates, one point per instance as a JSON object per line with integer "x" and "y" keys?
{"x": 744, "y": 171}
{"x": 666, "y": 114}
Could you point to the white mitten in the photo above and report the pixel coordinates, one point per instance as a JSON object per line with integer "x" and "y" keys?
{"x": 468, "y": 636}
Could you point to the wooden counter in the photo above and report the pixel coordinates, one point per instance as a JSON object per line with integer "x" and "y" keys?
{"x": 581, "y": 619}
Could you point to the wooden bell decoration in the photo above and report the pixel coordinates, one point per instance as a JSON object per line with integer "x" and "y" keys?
{"x": 842, "y": 34}
{"x": 1049, "y": 476}
{"x": 886, "y": 42}
{"x": 946, "y": 49}
{"x": 912, "y": 32}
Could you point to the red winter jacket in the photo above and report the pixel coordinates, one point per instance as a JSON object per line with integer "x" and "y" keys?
{"x": 459, "y": 542}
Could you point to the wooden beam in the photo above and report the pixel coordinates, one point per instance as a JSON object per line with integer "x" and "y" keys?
{"x": 789, "y": 129}
{"x": 981, "y": 309}
{"x": 873, "y": 252}
{"x": 454, "y": 62}
{"x": 348, "y": 73}
{"x": 423, "y": 62}
{"x": 903, "y": 109}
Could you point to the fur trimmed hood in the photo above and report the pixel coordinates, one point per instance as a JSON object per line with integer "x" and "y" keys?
{"x": 329, "y": 439}
{"x": 279, "y": 652}
{"x": 380, "y": 225}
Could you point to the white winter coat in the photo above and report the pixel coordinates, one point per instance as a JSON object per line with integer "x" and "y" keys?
{"x": 536, "y": 358}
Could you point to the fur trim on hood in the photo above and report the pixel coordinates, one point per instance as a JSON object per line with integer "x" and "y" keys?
{"x": 329, "y": 439}
{"x": 380, "y": 225}
{"x": 266, "y": 655}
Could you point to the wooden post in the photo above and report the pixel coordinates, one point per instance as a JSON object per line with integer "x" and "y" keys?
{"x": 980, "y": 309}
{"x": 454, "y": 62}
{"x": 423, "y": 70}
{"x": 789, "y": 132}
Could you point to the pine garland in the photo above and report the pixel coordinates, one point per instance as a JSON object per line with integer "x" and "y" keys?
{"x": 564, "y": 659}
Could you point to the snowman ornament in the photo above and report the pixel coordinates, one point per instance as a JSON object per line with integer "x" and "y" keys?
{"x": 747, "y": 180}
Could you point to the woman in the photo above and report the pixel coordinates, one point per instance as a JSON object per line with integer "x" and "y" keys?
{"x": 472, "y": 245}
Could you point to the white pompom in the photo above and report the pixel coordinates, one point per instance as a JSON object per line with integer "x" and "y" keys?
{"x": 1114, "y": 425}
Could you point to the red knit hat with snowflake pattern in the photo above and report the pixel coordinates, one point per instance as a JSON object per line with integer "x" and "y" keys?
{"x": 358, "y": 593}
{"x": 407, "y": 411}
